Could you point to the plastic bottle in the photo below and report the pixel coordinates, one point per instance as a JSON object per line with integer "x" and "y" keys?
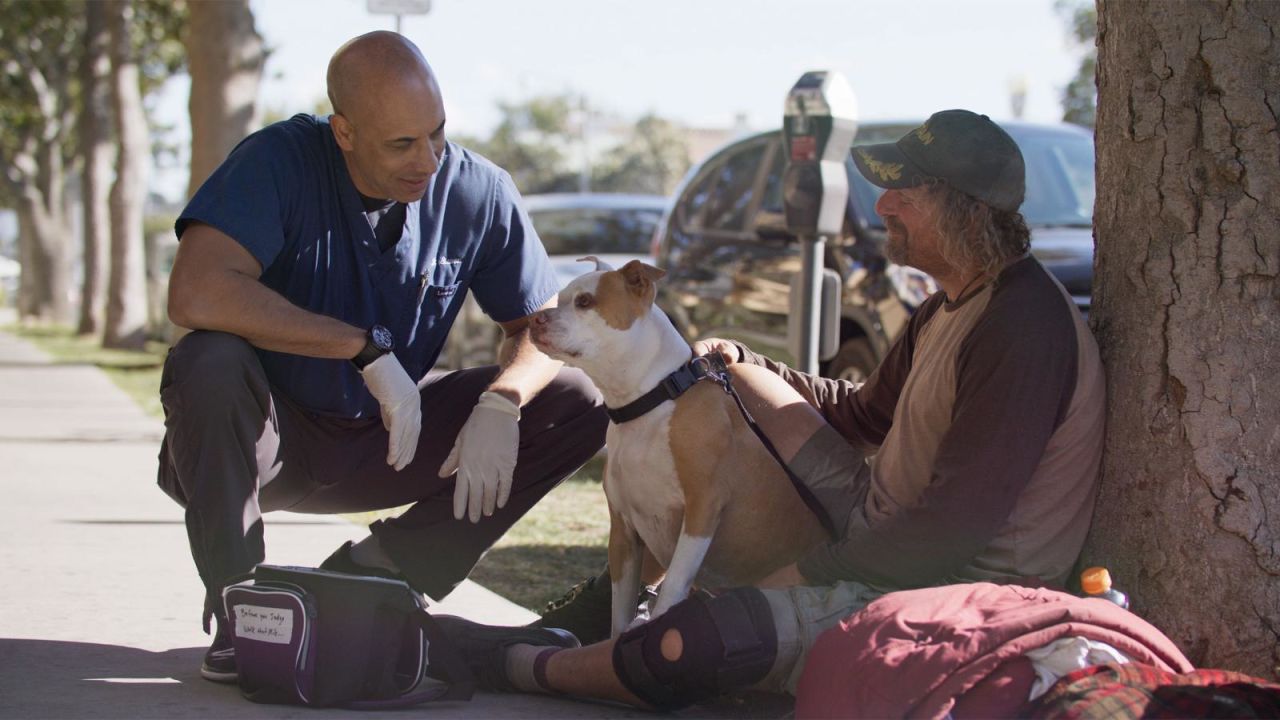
{"x": 1096, "y": 582}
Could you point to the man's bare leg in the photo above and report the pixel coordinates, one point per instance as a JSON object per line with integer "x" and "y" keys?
{"x": 586, "y": 672}
{"x": 783, "y": 415}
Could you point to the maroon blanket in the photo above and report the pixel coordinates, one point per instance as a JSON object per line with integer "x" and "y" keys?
{"x": 959, "y": 649}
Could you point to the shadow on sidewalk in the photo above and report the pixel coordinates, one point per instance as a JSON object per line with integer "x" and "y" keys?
{"x": 47, "y": 678}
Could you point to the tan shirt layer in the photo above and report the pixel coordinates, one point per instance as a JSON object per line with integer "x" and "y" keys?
{"x": 984, "y": 424}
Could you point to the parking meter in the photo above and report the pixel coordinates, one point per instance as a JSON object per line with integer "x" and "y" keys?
{"x": 819, "y": 121}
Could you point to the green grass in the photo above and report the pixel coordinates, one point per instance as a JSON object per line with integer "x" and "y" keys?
{"x": 560, "y": 542}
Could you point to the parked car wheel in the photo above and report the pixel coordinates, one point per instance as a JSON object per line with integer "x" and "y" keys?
{"x": 854, "y": 361}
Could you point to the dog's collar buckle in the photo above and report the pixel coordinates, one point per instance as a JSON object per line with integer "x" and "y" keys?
{"x": 705, "y": 367}
{"x": 712, "y": 366}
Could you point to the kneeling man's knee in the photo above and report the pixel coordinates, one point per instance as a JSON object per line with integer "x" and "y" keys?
{"x": 211, "y": 364}
{"x": 575, "y": 389}
{"x": 571, "y": 398}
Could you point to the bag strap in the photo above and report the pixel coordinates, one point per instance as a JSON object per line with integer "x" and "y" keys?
{"x": 461, "y": 682}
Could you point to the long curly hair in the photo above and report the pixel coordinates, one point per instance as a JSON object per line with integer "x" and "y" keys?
{"x": 976, "y": 236}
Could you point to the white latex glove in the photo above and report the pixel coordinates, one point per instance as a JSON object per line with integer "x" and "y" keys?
{"x": 401, "y": 405}
{"x": 484, "y": 457}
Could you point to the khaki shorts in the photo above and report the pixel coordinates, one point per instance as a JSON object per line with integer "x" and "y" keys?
{"x": 800, "y": 615}
{"x": 833, "y": 470}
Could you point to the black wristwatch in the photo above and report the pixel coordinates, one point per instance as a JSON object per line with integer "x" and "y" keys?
{"x": 379, "y": 343}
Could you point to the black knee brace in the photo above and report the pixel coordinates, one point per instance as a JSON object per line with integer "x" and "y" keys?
{"x": 729, "y": 642}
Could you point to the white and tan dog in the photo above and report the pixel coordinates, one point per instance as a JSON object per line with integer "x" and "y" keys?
{"x": 688, "y": 480}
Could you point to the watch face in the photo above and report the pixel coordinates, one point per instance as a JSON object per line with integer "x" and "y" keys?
{"x": 381, "y": 338}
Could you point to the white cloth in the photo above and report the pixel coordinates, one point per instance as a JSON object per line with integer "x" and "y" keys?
{"x": 1066, "y": 655}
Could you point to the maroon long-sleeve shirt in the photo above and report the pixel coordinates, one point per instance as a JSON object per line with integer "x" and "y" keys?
{"x": 984, "y": 426}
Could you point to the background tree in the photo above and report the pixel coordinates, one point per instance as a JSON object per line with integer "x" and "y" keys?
{"x": 126, "y": 317}
{"x": 540, "y": 142}
{"x": 1187, "y": 313}
{"x": 47, "y": 50}
{"x": 532, "y": 142}
{"x": 97, "y": 154}
{"x": 1079, "y": 97}
{"x": 36, "y": 112}
{"x": 652, "y": 160}
{"x": 225, "y": 56}
{"x": 144, "y": 51}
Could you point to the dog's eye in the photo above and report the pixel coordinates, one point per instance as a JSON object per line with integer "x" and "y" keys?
{"x": 584, "y": 301}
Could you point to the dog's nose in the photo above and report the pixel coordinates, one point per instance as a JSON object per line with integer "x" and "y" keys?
{"x": 540, "y": 318}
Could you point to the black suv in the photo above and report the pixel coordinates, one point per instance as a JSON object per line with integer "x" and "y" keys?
{"x": 730, "y": 259}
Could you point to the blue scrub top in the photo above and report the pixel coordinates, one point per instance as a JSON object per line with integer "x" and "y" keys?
{"x": 284, "y": 193}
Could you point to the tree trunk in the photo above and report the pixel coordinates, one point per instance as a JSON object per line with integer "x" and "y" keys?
{"x": 44, "y": 290}
{"x": 38, "y": 61}
{"x": 225, "y": 55}
{"x": 1187, "y": 312}
{"x": 96, "y": 151}
{"x": 37, "y": 289}
{"x": 126, "y": 291}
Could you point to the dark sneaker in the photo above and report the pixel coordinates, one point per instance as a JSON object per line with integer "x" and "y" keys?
{"x": 483, "y": 647}
{"x": 586, "y": 610}
{"x": 340, "y": 561}
{"x": 220, "y": 659}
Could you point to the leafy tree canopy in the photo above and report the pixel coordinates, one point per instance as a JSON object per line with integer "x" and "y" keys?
{"x": 540, "y": 142}
{"x": 1079, "y": 97}
{"x": 40, "y": 51}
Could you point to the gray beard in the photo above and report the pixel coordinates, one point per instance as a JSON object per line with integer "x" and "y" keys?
{"x": 896, "y": 248}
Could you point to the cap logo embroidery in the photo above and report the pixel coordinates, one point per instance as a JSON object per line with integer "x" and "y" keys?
{"x": 884, "y": 171}
{"x": 923, "y": 133}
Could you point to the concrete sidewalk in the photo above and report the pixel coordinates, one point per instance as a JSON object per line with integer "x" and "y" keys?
{"x": 99, "y": 599}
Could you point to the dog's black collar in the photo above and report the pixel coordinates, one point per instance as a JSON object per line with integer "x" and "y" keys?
{"x": 673, "y": 386}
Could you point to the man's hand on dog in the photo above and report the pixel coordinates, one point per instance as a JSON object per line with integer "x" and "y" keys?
{"x": 727, "y": 350}
{"x": 484, "y": 457}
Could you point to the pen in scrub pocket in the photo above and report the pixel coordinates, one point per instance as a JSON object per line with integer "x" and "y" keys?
{"x": 422, "y": 288}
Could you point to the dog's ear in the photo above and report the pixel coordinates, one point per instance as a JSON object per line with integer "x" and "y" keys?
{"x": 641, "y": 277}
{"x": 600, "y": 264}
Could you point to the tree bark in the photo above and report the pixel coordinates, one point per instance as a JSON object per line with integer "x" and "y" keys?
{"x": 96, "y": 152}
{"x": 42, "y": 286}
{"x": 44, "y": 293}
{"x": 1187, "y": 312}
{"x": 33, "y": 180}
{"x": 126, "y": 315}
{"x": 225, "y": 56}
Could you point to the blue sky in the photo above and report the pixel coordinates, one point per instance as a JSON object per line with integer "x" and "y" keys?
{"x": 700, "y": 62}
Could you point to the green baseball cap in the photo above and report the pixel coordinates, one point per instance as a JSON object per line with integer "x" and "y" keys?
{"x": 966, "y": 150}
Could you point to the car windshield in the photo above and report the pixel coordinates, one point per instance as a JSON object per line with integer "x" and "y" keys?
{"x": 1060, "y": 187}
{"x": 580, "y": 231}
